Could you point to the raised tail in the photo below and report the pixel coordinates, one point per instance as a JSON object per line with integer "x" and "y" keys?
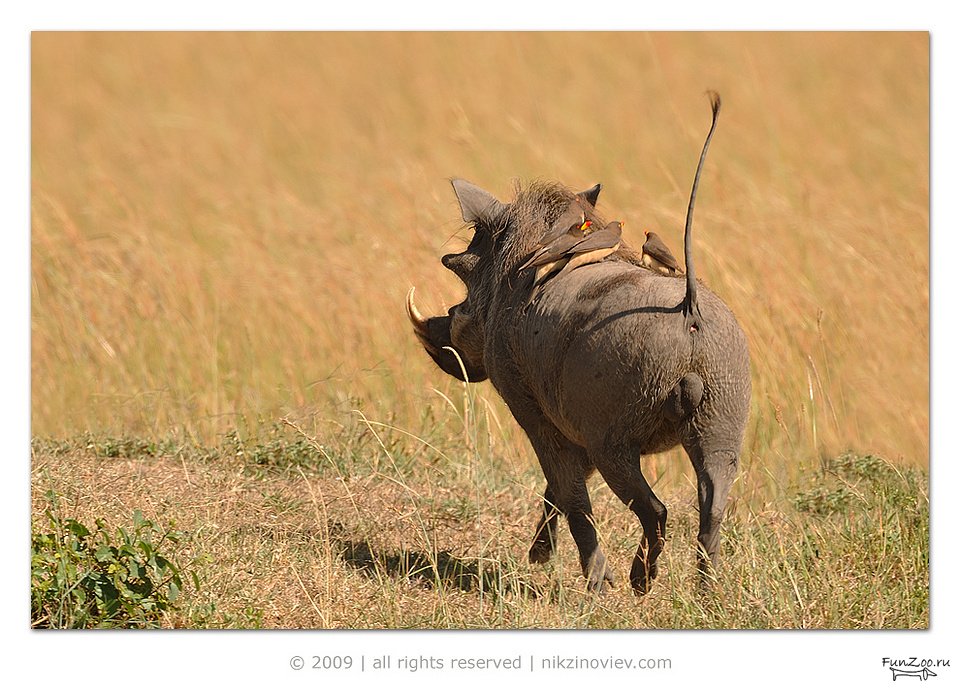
{"x": 690, "y": 307}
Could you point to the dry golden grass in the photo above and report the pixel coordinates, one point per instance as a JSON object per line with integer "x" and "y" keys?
{"x": 224, "y": 227}
{"x": 287, "y": 544}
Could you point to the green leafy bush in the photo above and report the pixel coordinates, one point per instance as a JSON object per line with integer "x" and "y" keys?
{"x": 862, "y": 481}
{"x": 84, "y": 578}
{"x": 823, "y": 500}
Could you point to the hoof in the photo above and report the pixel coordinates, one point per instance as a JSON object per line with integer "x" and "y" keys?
{"x": 599, "y": 576}
{"x": 641, "y": 577}
{"x": 541, "y": 552}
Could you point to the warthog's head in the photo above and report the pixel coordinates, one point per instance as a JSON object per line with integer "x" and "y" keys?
{"x": 503, "y": 235}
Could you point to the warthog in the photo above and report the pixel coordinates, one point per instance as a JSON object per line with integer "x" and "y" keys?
{"x": 607, "y": 363}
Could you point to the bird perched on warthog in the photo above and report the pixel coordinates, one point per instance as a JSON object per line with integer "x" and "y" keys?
{"x": 657, "y": 256}
{"x": 639, "y": 362}
{"x": 577, "y": 246}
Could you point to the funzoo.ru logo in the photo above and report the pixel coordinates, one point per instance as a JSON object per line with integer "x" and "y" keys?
{"x": 913, "y": 667}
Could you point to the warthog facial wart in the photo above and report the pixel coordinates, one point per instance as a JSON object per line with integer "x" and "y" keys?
{"x": 640, "y": 362}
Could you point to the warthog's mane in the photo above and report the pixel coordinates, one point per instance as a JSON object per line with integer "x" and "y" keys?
{"x": 536, "y": 206}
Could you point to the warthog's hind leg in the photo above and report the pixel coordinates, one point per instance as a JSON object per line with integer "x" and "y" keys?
{"x": 716, "y": 471}
{"x": 566, "y": 467}
{"x": 620, "y": 468}
{"x": 567, "y": 488}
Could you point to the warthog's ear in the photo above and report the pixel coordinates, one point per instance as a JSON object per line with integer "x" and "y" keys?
{"x": 476, "y": 204}
{"x": 591, "y": 194}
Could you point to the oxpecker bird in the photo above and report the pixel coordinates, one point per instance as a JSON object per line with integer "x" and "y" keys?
{"x": 658, "y": 257}
{"x": 572, "y": 221}
{"x": 568, "y": 230}
{"x": 577, "y": 247}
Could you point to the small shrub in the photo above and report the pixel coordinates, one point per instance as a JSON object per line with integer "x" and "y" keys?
{"x": 866, "y": 481}
{"x": 278, "y": 452}
{"x": 854, "y": 466}
{"x": 823, "y": 501}
{"x": 92, "y": 579}
{"x": 124, "y": 447}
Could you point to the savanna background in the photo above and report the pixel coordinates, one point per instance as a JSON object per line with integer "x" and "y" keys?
{"x": 233, "y": 425}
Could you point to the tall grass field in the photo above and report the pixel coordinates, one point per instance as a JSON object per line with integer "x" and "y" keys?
{"x": 233, "y": 425}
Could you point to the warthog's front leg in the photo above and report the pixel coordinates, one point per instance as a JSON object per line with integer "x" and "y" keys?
{"x": 545, "y": 538}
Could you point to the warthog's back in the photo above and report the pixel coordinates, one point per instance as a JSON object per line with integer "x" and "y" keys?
{"x": 604, "y": 345}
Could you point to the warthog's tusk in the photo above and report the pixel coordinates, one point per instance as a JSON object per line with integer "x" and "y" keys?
{"x": 418, "y": 320}
{"x": 419, "y": 324}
